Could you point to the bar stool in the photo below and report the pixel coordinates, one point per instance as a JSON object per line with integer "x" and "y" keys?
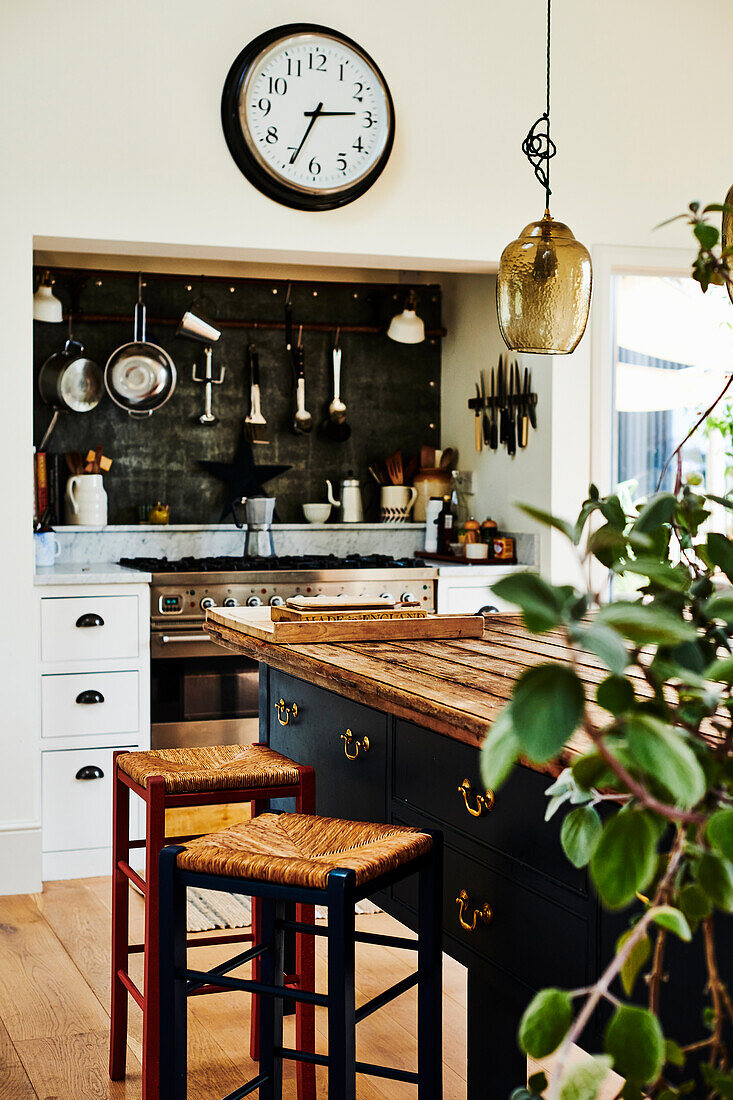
{"x": 168, "y": 778}
{"x": 282, "y": 858}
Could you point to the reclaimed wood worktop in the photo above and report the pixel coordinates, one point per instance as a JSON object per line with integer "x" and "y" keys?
{"x": 454, "y": 687}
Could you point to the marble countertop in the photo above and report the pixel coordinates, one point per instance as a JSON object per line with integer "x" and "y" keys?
{"x": 94, "y": 573}
{"x": 481, "y": 569}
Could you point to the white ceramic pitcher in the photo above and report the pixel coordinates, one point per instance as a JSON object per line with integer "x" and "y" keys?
{"x": 85, "y": 501}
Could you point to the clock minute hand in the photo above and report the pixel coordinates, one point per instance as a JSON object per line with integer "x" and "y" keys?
{"x": 325, "y": 114}
{"x": 313, "y": 116}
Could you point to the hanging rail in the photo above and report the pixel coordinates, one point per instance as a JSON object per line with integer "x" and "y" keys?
{"x": 274, "y": 326}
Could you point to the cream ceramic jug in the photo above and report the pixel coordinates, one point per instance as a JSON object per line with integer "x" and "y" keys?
{"x": 85, "y": 501}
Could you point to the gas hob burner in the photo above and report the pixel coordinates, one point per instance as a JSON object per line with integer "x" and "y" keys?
{"x": 287, "y": 563}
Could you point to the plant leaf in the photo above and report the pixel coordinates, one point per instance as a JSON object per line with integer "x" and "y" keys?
{"x": 635, "y": 962}
{"x": 606, "y": 644}
{"x": 646, "y": 624}
{"x": 715, "y": 875}
{"x": 720, "y": 552}
{"x": 581, "y": 830}
{"x": 541, "y": 604}
{"x": 666, "y": 916}
{"x": 546, "y": 1022}
{"x": 720, "y": 832}
{"x": 721, "y": 671}
{"x": 662, "y": 754}
{"x": 499, "y": 751}
{"x": 625, "y": 858}
{"x": 583, "y": 1080}
{"x": 694, "y": 902}
{"x": 547, "y": 706}
{"x": 616, "y": 694}
{"x": 673, "y": 1053}
{"x": 719, "y": 607}
{"x": 548, "y": 520}
{"x": 658, "y": 509}
{"x": 635, "y": 1041}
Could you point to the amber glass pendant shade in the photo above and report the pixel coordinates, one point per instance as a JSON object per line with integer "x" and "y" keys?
{"x": 727, "y": 234}
{"x": 543, "y": 289}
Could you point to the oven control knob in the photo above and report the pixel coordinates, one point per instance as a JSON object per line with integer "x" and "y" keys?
{"x": 276, "y": 601}
{"x": 387, "y": 596}
{"x": 230, "y": 602}
{"x": 407, "y": 597}
{"x": 254, "y": 601}
{"x": 207, "y": 602}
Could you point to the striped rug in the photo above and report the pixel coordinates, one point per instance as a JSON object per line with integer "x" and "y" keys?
{"x": 209, "y": 909}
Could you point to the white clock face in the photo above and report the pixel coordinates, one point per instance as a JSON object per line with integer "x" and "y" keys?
{"x": 314, "y": 113}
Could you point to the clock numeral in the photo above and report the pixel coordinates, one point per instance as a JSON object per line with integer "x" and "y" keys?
{"x": 321, "y": 66}
{"x": 264, "y": 105}
{"x": 277, "y": 84}
{"x": 341, "y": 162}
{"x": 358, "y": 145}
{"x": 271, "y": 137}
{"x": 359, "y": 89}
{"x": 369, "y": 120}
{"x": 314, "y": 167}
{"x": 341, "y": 69}
{"x": 294, "y": 66}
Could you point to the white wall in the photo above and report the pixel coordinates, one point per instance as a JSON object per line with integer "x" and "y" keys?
{"x": 110, "y": 134}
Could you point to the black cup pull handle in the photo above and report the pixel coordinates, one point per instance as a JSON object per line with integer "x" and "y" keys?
{"x": 488, "y": 609}
{"x": 91, "y": 618}
{"x": 91, "y": 695}
{"x": 90, "y": 771}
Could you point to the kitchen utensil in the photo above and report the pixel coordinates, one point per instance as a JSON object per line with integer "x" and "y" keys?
{"x": 208, "y": 380}
{"x": 69, "y": 382}
{"x": 503, "y": 420}
{"x": 511, "y": 438}
{"x": 393, "y": 463}
{"x": 352, "y": 509}
{"x": 493, "y": 421}
{"x": 376, "y": 475}
{"x": 197, "y": 327}
{"x": 484, "y": 413}
{"x": 447, "y": 458}
{"x": 47, "y": 548}
{"x": 396, "y": 502}
{"x": 478, "y": 434}
{"x": 523, "y": 411}
{"x": 140, "y": 376}
{"x": 317, "y": 513}
{"x": 74, "y": 461}
{"x": 85, "y": 501}
{"x": 427, "y": 458}
{"x": 258, "y": 514}
{"x": 257, "y": 622}
{"x": 303, "y": 422}
{"x": 531, "y": 400}
{"x": 335, "y": 426}
{"x": 254, "y": 422}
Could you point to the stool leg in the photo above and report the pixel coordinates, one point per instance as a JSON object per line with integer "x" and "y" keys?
{"x": 254, "y": 1027}
{"x": 172, "y": 935}
{"x": 430, "y": 980}
{"x": 305, "y": 961}
{"x": 341, "y": 1004}
{"x": 120, "y": 927}
{"x": 271, "y": 1008}
{"x": 154, "y": 841}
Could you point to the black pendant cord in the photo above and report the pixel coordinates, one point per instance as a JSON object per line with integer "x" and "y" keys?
{"x": 538, "y": 147}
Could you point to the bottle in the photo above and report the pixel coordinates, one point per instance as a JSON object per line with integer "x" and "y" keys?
{"x": 446, "y": 521}
{"x": 488, "y": 531}
{"x": 473, "y": 530}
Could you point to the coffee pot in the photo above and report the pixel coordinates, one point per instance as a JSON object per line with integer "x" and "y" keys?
{"x": 352, "y": 509}
{"x": 258, "y": 512}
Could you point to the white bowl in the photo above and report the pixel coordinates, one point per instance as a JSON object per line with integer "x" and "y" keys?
{"x": 476, "y": 551}
{"x": 317, "y": 513}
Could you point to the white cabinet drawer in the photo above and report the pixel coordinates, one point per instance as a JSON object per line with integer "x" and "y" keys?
{"x": 83, "y": 628}
{"x": 86, "y": 703}
{"x": 77, "y": 813}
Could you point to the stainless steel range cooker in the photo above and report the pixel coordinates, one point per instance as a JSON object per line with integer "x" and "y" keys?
{"x": 202, "y": 695}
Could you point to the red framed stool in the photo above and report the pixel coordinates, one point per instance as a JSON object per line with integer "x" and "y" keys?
{"x": 181, "y": 778}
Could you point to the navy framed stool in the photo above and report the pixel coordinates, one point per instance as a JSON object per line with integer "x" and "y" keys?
{"x": 309, "y": 860}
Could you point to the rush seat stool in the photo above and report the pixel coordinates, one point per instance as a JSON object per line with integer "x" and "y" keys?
{"x": 185, "y": 777}
{"x": 285, "y": 858}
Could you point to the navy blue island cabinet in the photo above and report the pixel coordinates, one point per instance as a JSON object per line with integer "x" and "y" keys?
{"x": 393, "y": 732}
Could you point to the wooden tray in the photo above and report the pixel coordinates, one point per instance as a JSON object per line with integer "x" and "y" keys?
{"x": 257, "y": 623}
{"x": 337, "y": 615}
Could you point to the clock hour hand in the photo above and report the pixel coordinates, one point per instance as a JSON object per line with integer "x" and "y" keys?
{"x": 313, "y": 116}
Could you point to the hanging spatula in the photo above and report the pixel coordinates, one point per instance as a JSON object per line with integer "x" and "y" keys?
{"x": 254, "y": 422}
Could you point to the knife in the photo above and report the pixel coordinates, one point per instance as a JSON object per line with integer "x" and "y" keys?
{"x": 493, "y": 428}
{"x": 502, "y": 403}
{"x": 531, "y": 401}
{"x": 484, "y": 414}
{"x": 511, "y": 439}
{"x": 477, "y": 421}
{"x": 524, "y": 424}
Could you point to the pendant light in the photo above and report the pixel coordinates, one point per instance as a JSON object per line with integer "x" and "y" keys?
{"x": 727, "y": 234}
{"x": 406, "y": 327}
{"x": 544, "y": 284}
{"x": 46, "y": 306}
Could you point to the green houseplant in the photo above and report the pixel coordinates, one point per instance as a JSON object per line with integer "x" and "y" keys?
{"x": 648, "y": 793}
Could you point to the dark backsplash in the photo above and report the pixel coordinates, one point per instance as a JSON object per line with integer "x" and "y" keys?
{"x": 391, "y": 391}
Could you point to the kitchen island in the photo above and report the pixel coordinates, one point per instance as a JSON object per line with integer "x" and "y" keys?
{"x": 393, "y": 730}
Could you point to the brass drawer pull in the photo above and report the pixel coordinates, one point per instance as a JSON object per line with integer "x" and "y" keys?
{"x": 483, "y": 913}
{"x": 484, "y": 802}
{"x": 288, "y": 711}
{"x": 360, "y": 744}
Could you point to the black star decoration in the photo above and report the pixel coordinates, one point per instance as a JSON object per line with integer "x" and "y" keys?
{"x": 240, "y": 476}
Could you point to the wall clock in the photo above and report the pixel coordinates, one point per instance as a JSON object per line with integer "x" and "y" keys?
{"x": 308, "y": 116}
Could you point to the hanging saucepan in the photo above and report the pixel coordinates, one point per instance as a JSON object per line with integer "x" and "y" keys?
{"x": 140, "y": 376}
{"x": 69, "y": 382}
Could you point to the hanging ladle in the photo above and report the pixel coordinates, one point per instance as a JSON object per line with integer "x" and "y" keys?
{"x": 335, "y": 427}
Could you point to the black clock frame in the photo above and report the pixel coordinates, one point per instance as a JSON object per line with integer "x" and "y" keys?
{"x": 242, "y": 154}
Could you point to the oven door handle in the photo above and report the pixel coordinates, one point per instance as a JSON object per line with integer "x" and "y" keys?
{"x": 169, "y": 639}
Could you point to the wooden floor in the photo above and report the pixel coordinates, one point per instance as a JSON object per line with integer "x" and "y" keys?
{"x": 54, "y": 1008}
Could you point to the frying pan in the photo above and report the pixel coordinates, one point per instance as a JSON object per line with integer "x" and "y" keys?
{"x": 69, "y": 382}
{"x": 140, "y": 376}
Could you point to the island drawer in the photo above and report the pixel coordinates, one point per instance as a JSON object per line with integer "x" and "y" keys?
{"x": 89, "y": 628}
{"x": 87, "y": 703}
{"x": 345, "y": 742}
{"x": 430, "y": 772}
{"x": 532, "y": 937}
